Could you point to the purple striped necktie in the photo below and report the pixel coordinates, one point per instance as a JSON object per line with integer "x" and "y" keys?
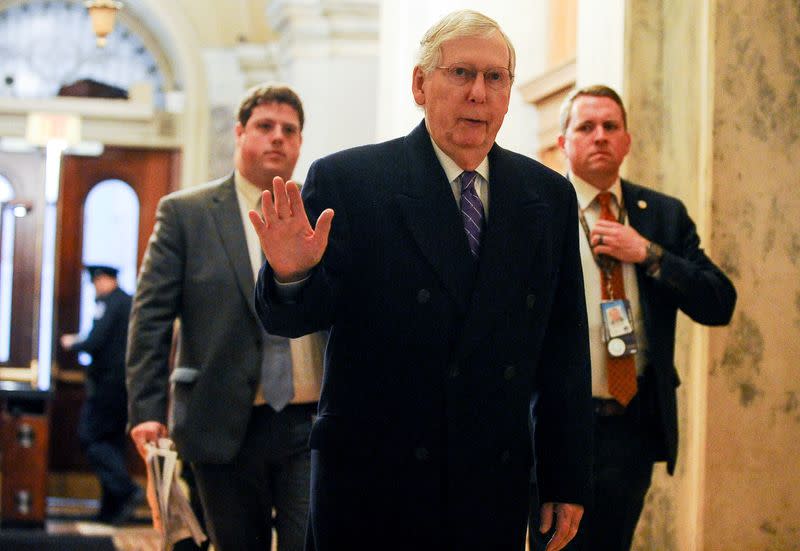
{"x": 471, "y": 211}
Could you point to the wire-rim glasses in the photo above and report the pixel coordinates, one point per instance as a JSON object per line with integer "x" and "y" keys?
{"x": 460, "y": 74}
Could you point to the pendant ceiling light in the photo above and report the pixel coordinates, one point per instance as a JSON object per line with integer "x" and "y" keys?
{"x": 102, "y": 13}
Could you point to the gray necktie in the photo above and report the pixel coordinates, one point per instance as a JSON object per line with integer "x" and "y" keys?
{"x": 277, "y": 386}
{"x": 471, "y": 211}
{"x": 276, "y": 372}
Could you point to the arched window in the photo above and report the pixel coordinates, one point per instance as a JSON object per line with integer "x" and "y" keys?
{"x": 6, "y": 265}
{"x": 110, "y": 238}
{"x": 33, "y": 64}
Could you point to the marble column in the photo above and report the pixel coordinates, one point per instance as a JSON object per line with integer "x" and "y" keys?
{"x": 753, "y": 445}
{"x": 328, "y": 51}
{"x": 712, "y": 91}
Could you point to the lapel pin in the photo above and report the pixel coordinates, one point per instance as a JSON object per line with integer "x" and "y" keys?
{"x": 641, "y": 203}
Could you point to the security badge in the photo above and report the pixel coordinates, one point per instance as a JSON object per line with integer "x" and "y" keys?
{"x": 618, "y": 331}
{"x": 615, "y": 314}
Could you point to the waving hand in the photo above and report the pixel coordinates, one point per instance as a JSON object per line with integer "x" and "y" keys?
{"x": 291, "y": 246}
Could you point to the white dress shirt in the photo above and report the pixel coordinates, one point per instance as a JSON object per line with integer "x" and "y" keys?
{"x": 249, "y": 196}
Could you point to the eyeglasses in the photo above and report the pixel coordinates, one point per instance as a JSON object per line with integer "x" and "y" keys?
{"x": 497, "y": 78}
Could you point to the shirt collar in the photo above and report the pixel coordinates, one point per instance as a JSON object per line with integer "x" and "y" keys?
{"x": 587, "y": 192}
{"x": 247, "y": 189}
{"x": 452, "y": 170}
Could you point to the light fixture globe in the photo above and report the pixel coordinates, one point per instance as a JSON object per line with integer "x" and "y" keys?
{"x": 102, "y": 13}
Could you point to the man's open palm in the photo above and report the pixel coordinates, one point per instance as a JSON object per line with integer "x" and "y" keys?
{"x": 291, "y": 246}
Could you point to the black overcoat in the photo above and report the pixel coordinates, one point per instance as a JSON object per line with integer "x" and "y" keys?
{"x": 423, "y": 436}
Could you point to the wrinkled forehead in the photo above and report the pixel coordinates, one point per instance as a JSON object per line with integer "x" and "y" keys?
{"x": 472, "y": 48}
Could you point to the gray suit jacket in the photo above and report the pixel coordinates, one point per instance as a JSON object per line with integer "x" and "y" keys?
{"x": 197, "y": 270}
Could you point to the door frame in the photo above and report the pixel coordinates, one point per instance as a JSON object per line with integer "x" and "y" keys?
{"x": 151, "y": 173}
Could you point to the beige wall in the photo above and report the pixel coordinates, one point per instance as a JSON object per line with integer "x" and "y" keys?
{"x": 713, "y": 93}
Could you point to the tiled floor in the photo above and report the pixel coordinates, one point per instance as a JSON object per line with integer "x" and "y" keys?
{"x": 71, "y": 516}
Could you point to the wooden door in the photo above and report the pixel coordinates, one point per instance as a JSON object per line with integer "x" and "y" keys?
{"x": 23, "y": 174}
{"x": 150, "y": 174}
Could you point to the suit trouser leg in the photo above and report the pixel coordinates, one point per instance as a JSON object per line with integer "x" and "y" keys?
{"x": 108, "y": 460}
{"x": 105, "y": 451}
{"x": 270, "y": 470}
{"x": 290, "y": 473}
{"x": 621, "y": 478}
{"x": 623, "y": 469}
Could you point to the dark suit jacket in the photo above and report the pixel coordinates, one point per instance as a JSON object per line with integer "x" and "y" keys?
{"x": 689, "y": 282}
{"x": 105, "y": 377}
{"x": 423, "y": 436}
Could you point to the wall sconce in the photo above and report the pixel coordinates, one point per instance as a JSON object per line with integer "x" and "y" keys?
{"x": 102, "y": 13}
{"x": 19, "y": 209}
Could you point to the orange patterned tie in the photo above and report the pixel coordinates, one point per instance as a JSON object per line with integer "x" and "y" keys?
{"x": 621, "y": 370}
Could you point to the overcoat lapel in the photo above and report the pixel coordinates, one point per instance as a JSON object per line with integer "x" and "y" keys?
{"x": 511, "y": 238}
{"x": 225, "y": 211}
{"x": 433, "y": 219}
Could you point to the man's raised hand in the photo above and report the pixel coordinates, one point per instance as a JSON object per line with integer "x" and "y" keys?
{"x": 291, "y": 246}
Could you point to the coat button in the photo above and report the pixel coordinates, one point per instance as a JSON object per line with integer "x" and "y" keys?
{"x": 423, "y": 296}
{"x": 505, "y": 456}
{"x": 454, "y": 371}
{"x": 421, "y": 454}
{"x": 510, "y": 372}
{"x": 530, "y": 300}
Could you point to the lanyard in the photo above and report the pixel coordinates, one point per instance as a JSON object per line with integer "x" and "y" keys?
{"x": 604, "y": 262}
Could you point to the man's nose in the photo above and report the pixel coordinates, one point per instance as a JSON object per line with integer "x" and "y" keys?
{"x": 600, "y": 134}
{"x": 477, "y": 88}
{"x": 277, "y": 134}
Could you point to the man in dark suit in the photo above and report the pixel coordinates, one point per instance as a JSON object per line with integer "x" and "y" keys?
{"x": 648, "y": 242}
{"x": 241, "y": 401}
{"x": 452, "y": 309}
{"x": 103, "y": 416}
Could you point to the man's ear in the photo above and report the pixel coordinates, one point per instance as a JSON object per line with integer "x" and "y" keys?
{"x": 417, "y": 79}
{"x": 238, "y": 129}
{"x": 561, "y": 141}
{"x": 629, "y": 139}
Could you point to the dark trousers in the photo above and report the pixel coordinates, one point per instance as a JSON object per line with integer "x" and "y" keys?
{"x": 103, "y": 442}
{"x": 623, "y": 468}
{"x": 271, "y": 471}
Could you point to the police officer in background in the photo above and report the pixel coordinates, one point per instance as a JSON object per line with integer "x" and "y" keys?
{"x": 103, "y": 417}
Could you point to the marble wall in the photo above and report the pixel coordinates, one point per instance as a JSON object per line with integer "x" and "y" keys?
{"x": 658, "y": 117}
{"x": 753, "y": 444}
{"x": 713, "y": 90}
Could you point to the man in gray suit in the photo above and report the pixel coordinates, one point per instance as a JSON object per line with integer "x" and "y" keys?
{"x": 240, "y": 401}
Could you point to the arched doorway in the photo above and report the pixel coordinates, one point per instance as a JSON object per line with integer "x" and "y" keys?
{"x": 139, "y": 141}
